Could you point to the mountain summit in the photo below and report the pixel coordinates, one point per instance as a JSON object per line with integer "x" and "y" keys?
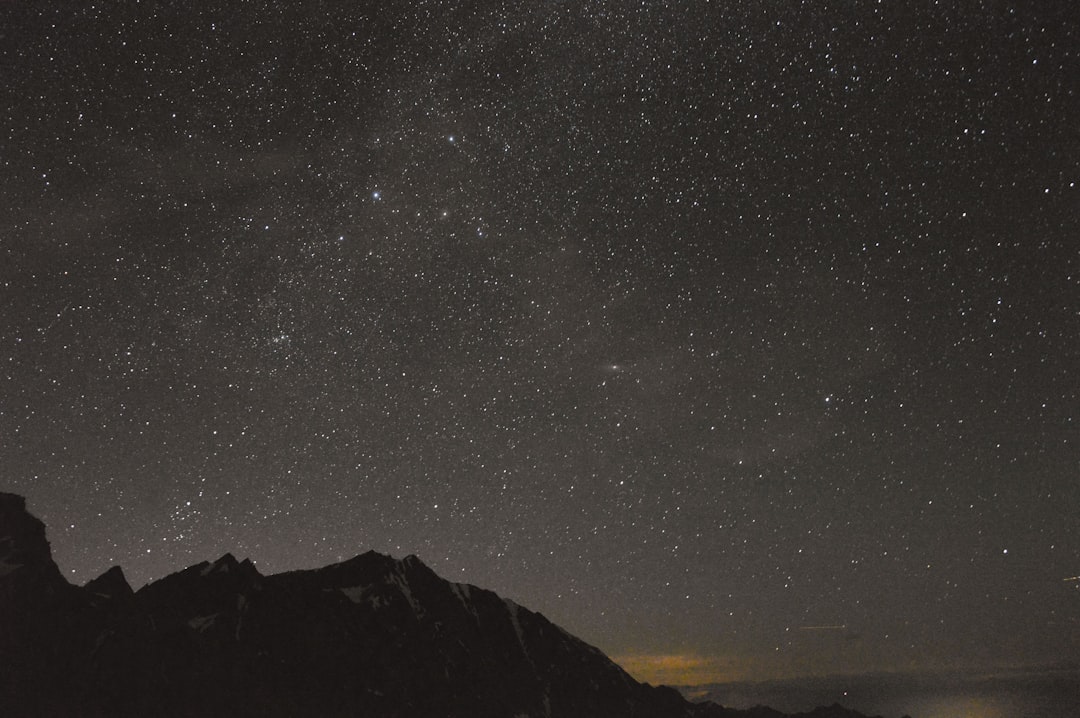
{"x": 371, "y": 636}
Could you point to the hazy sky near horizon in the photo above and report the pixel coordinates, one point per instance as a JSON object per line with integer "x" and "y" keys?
{"x": 739, "y": 338}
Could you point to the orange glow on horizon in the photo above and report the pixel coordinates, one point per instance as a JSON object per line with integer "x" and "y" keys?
{"x": 679, "y": 669}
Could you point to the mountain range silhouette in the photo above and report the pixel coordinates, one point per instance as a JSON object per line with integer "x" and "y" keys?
{"x": 372, "y": 636}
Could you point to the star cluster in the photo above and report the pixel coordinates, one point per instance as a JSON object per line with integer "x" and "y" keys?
{"x": 739, "y": 333}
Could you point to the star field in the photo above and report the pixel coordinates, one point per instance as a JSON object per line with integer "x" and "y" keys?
{"x": 743, "y": 334}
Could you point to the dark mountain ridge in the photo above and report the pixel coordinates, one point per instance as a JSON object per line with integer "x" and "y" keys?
{"x": 371, "y": 636}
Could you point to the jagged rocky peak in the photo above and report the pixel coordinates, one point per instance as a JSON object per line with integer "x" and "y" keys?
{"x": 224, "y": 577}
{"x": 111, "y": 584}
{"x": 225, "y": 564}
{"x": 367, "y": 568}
{"x": 22, "y": 536}
{"x": 24, "y": 550}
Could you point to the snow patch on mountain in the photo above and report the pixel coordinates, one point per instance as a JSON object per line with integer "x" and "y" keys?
{"x": 6, "y": 568}
{"x": 513, "y": 609}
{"x": 399, "y": 580}
{"x": 203, "y": 623}
{"x": 241, "y": 609}
{"x": 359, "y": 594}
{"x": 464, "y": 594}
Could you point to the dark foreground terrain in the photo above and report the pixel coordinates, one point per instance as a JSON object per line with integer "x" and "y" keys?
{"x": 372, "y": 636}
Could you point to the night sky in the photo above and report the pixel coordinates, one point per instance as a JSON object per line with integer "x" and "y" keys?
{"x": 741, "y": 339}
